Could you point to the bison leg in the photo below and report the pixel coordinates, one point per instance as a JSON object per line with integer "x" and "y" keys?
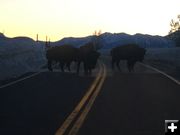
{"x": 112, "y": 63}
{"x": 130, "y": 65}
{"x": 129, "y": 68}
{"x": 78, "y": 66}
{"x": 85, "y": 69}
{"x": 117, "y": 64}
{"x": 90, "y": 71}
{"x": 62, "y": 66}
{"x": 68, "y": 65}
{"x": 50, "y": 65}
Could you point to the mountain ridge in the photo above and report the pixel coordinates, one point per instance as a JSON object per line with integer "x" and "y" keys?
{"x": 107, "y": 40}
{"x": 110, "y": 40}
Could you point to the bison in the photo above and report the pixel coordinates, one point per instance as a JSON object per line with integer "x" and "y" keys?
{"x": 64, "y": 54}
{"x": 88, "y": 56}
{"x": 90, "y": 61}
{"x": 130, "y": 52}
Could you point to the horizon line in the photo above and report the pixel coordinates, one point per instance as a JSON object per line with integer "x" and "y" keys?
{"x": 47, "y": 37}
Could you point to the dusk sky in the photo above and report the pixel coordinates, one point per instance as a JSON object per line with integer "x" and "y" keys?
{"x": 79, "y": 18}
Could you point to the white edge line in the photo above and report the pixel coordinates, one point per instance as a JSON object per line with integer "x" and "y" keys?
{"x": 22, "y": 79}
{"x": 161, "y": 72}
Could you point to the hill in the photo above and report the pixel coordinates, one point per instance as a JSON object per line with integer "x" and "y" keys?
{"x": 20, "y": 55}
{"x": 175, "y": 36}
{"x": 109, "y": 40}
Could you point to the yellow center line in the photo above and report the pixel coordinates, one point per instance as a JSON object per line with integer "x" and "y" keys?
{"x": 77, "y": 109}
{"x": 83, "y": 115}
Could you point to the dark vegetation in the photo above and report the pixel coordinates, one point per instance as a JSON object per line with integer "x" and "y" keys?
{"x": 175, "y": 36}
{"x": 174, "y": 33}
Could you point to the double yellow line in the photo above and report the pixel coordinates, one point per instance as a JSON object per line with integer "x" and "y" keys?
{"x": 78, "y": 115}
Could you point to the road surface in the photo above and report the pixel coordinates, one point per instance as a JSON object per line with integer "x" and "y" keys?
{"x": 126, "y": 104}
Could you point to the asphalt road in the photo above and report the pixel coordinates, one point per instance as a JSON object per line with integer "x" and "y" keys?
{"x": 128, "y": 104}
{"x": 39, "y": 105}
{"x": 133, "y": 104}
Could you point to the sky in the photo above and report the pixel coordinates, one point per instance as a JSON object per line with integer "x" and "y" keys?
{"x": 78, "y": 18}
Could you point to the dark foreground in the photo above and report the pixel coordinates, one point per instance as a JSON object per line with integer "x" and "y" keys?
{"x": 133, "y": 104}
{"x": 39, "y": 105}
{"x": 128, "y": 104}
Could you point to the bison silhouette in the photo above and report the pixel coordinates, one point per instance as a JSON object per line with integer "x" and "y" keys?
{"x": 66, "y": 54}
{"x": 90, "y": 61}
{"x": 88, "y": 56}
{"x": 130, "y": 52}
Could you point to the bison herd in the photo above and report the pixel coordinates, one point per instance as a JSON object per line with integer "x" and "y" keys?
{"x": 64, "y": 55}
